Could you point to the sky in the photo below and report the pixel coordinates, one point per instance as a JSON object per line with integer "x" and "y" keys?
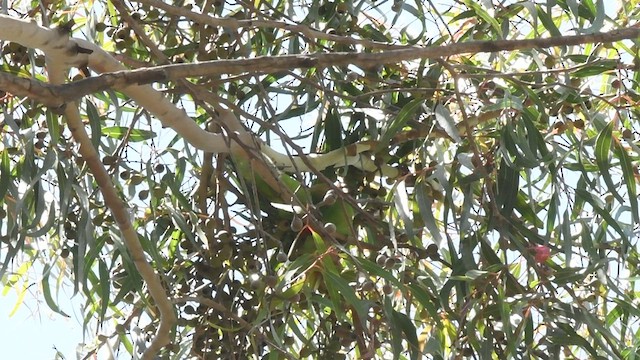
{"x": 34, "y": 330}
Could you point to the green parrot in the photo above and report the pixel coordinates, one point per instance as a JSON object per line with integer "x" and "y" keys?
{"x": 324, "y": 203}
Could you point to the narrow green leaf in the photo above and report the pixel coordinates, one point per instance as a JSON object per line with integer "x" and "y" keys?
{"x": 426, "y": 212}
{"x": 42, "y": 230}
{"x": 484, "y": 15}
{"x": 119, "y": 132}
{"x": 105, "y": 287}
{"x": 401, "y": 201}
{"x": 587, "y": 241}
{"x": 629, "y": 178}
{"x": 124, "y": 338}
{"x": 528, "y": 332}
{"x": 94, "y": 122}
{"x": 547, "y": 21}
{"x": 598, "y": 21}
{"x": 5, "y": 173}
{"x": 552, "y": 213}
{"x": 574, "y": 8}
{"x": 53, "y": 126}
{"x": 523, "y": 206}
{"x": 567, "y": 241}
{"x": 536, "y": 141}
{"x": 334, "y": 296}
{"x": 46, "y": 291}
{"x": 398, "y": 123}
{"x": 515, "y": 148}
{"x": 599, "y": 67}
{"x": 407, "y": 327}
{"x": 507, "y": 188}
{"x": 445, "y": 120}
{"x": 175, "y": 190}
{"x": 602, "y": 212}
{"x": 428, "y": 301}
{"x": 21, "y": 294}
{"x": 396, "y": 332}
{"x": 296, "y": 110}
{"x": 602, "y": 153}
{"x": 333, "y": 131}
{"x": 342, "y": 287}
{"x": 370, "y": 32}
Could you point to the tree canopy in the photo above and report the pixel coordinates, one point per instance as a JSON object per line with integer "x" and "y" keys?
{"x": 326, "y": 179}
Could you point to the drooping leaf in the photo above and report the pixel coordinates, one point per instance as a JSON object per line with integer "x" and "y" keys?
{"x": 95, "y": 122}
{"x": 398, "y": 122}
{"x": 46, "y": 291}
{"x": 547, "y": 21}
{"x": 445, "y": 120}
{"x": 629, "y": 178}
{"x": 603, "y": 158}
{"x": 507, "y": 188}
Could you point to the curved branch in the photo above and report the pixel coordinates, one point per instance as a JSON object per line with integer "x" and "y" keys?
{"x": 122, "y": 217}
{"x": 115, "y": 76}
{"x": 78, "y": 53}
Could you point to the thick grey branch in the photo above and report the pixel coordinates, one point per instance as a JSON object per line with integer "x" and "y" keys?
{"x": 270, "y": 64}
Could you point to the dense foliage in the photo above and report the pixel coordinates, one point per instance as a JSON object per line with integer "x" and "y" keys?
{"x": 507, "y": 229}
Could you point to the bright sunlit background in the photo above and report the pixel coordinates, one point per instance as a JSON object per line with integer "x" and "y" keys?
{"x": 34, "y": 331}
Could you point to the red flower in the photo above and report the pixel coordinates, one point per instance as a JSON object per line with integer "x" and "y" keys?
{"x": 540, "y": 253}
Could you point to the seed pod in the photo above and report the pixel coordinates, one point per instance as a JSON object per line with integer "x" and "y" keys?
{"x": 367, "y": 286}
{"x": 387, "y": 289}
{"x": 109, "y": 160}
{"x": 616, "y": 84}
{"x": 256, "y": 284}
{"x": 282, "y": 257}
{"x": 330, "y": 228}
{"x": 143, "y": 194}
{"x": 389, "y": 263}
{"x": 550, "y": 61}
{"x": 271, "y": 281}
{"x": 296, "y": 224}
{"x": 432, "y": 252}
{"x": 330, "y": 197}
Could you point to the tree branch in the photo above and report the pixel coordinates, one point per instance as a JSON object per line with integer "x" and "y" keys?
{"x": 268, "y": 64}
{"x": 78, "y": 52}
{"x": 123, "y": 219}
{"x": 232, "y": 23}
